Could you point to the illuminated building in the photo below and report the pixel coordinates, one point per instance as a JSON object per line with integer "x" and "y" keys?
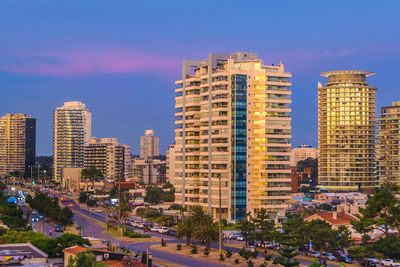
{"x": 346, "y": 131}
{"x": 232, "y": 126}
{"x": 149, "y": 145}
{"x": 302, "y": 152}
{"x": 388, "y": 154}
{"x": 109, "y": 156}
{"x": 17, "y": 143}
{"x": 72, "y": 131}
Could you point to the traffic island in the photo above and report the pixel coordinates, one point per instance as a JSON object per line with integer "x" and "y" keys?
{"x": 211, "y": 256}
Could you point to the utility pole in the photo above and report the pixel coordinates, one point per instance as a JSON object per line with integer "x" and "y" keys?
{"x": 31, "y": 174}
{"x": 220, "y": 217}
{"x": 38, "y": 169}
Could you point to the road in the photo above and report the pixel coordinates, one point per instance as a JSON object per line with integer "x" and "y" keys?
{"x": 92, "y": 228}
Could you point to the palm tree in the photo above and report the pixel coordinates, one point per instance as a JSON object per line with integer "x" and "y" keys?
{"x": 207, "y": 232}
{"x": 198, "y": 214}
{"x": 186, "y": 230}
{"x": 90, "y": 174}
{"x": 124, "y": 210}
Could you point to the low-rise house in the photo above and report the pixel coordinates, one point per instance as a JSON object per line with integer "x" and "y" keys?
{"x": 104, "y": 256}
{"x": 334, "y": 218}
{"x": 21, "y": 254}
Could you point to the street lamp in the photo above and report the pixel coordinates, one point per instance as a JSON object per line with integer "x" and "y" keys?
{"x": 220, "y": 217}
{"x": 149, "y": 259}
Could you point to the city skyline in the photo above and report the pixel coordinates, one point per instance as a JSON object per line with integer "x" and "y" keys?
{"x": 116, "y": 64}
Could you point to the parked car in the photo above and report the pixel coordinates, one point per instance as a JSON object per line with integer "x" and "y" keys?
{"x": 171, "y": 232}
{"x": 368, "y": 262}
{"x": 155, "y": 229}
{"x": 375, "y": 261}
{"x": 345, "y": 259}
{"x": 315, "y": 254}
{"x": 331, "y": 257}
{"x": 250, "y": 248}
{"x": 240, "y": 238}
{"x": 34, "y": 212}
{"x": 58, "y": 228}
{"x": 390, "y": 262}
{"x": 163, "y": 230}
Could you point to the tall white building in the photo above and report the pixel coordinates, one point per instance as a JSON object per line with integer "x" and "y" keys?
{"x": 301, "y": 153}
{"x": 232, "y": 127}
{"x": 170, "y": 161}
{"x": 72, "y": 131}
{"x": 149, "y": 145}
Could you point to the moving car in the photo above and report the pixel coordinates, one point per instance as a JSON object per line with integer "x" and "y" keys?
{"x": 35, "y": 219}
{"x": 35, "y": 212}
{"x": 240, "y": 238}
{"x": 390, "y": 262}
{"x": 40, "y": 216}
{"x": 58, "y": 228}
{"x": 71, "y": 205}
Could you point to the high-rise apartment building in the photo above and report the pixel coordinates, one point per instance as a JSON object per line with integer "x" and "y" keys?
{"x": 146, "y": 170}
{"x": 72, "y": 131}
{"x": 109, "y": 156}
{"x": 232, "y": 129}
{"x": 17, "y": 143}
{"x": 301, "y": 153}
{"x": 170, "y": 162}
{"x": 346, "y": 131}
{"x": 388, "y": 154}
{"x": 149, "y": 145}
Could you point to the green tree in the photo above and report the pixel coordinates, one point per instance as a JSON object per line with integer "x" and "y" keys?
{"x": 388, "y": 246}
{"x": 383, "y": 209}
{"x": 207, "y": 232}
{"x": 153, "y": 195}
{"x": 294, "y": 229}
{"x": 359, "y": 253}
{"x": 321, "y": 235}
{"x": 198, "y": 214}
{"x": 186, "y": 229}
{"x": 84, "y": 259}
{"x": 265, "y": 227}
{"x": 123, "y": 214}
{"x": 286, "y": 254}
{"x": 91, "y": 174}
{"x": 65, "y": 217}
{"x": 246, "y": 227}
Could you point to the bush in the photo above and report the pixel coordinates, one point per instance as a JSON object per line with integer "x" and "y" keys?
{"x": 262, "y": 265}
{"x": 163, "y": 242}
{"x": 133, "y": 234}
{"x": 178, "y": 246}
{"x": 268, "y": 257}
{"x": 144, "y": 257}
{"x": 206, "y": 252}
{"x": 254, "y": 254}
{"x": 221, "y": 257}
{"x": 194, "y": 249}
{"x": 228, "y": 253}
{"x": 236, "y": 261}
{"x": 250, "y": 263}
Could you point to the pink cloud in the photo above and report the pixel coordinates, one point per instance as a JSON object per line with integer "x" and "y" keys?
{"x": 90, "y": 62}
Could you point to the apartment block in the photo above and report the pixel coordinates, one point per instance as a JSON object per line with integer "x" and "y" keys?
{"x": 146, "y": 171}
{"x": 109, "y": 156}
{"x": 170, "y": 164}
{"x": 17, "y": 143}
{"x": 388, "y": 152}
{"x": 302, "y": 152}
{"x": 149, "y": 145}
{"x": 233, "y": 131}
{"x": 72, "y": 131}
{"x": 346, "y": 131}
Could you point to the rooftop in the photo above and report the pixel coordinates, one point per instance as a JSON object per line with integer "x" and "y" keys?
{"x": 335, "y": 72}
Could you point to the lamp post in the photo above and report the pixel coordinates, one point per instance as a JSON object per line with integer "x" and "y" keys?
{"x": 220, "y": 217}
{"x": 149, "y": 260}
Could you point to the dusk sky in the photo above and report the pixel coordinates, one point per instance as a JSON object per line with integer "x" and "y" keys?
{"x": 121, "y": 57}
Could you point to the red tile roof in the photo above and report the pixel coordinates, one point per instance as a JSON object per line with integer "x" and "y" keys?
{"x": 75, "y": 250}
{"x": 341, "y": 218}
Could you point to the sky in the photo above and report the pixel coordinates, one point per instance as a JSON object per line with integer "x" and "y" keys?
{"x": 121, "y": 58}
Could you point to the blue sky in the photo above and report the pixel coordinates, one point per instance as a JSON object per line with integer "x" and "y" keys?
{"x": 122, "y": 57}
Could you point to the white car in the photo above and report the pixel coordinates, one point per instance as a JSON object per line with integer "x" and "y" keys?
{"x": 163, "y": 230}
{"x": 390, "y": 262}
{"x": 155, "y": 228}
